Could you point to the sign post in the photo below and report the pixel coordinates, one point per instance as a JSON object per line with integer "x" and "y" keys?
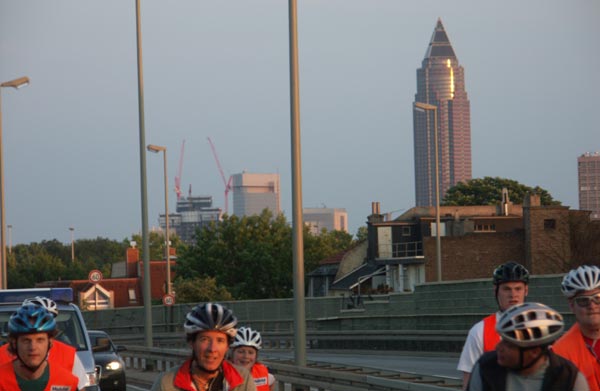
{"x": 95, "y": 276}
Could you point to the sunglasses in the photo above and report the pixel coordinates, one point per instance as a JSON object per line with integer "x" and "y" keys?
{"x": 586, "y": 301}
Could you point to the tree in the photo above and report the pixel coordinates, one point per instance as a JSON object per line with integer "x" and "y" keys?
{"x": 488, "y": 191}
{"x": 362, "y": 233}
{"x": 156, "y": 242}
{"x": 198, "y": 289}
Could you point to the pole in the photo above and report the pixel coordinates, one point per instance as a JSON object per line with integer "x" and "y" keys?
{"x": 147, "y": 294}
{"x": 72, "y": 244}
{"x": 167, "y": 245}
{"x": 297, "y": 226}
{"x": 2, "y": 209}
{"x": 9, "y": 238}
{"x": 438, "y": 240}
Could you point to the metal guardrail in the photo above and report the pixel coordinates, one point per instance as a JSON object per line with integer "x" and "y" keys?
{"x": 315, "y": 375}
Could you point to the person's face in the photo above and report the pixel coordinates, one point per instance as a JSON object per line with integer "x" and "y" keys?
{"x": 32, "y": 348}
{"x": 587, "y": 313}
{"x": 509, "y": 355}
{"x": 210, "y": 348}
{"x": 511, "y": 293}
{"x": 244, "y": 356}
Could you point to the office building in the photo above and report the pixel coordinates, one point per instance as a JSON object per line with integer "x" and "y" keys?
{"x": 329, "y": 218}
{"x": 193, "y": 213}
{"x": 252, "y": 193}
{"x": 588, "y": 168}
{"x": 441, "y": 83}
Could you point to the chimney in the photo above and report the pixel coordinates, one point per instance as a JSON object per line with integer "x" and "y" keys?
{"x": 376, "y": 216}
{"x": 133, "y": 258}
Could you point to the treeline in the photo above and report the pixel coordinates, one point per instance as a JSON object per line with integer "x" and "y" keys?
{"x": 238, "y": 258}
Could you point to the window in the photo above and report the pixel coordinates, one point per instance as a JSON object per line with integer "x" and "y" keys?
{"x": 132, "y": 298}
{"x": 485, "y": 227}
{"x": 549, "y": 224}
{"x": 406, "y": 231}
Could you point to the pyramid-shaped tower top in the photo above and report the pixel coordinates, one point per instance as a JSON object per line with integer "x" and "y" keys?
{"x": 439, "y": 46}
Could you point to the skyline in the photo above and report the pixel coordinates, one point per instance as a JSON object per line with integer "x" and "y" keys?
{"x": 212, "y": 70}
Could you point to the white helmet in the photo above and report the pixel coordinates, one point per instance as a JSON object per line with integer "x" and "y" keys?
{"x": 584, "y": 278}
{"x": 210, "y": 316}
{"x": 530, "y": 324}
{"x": 247, "y": 337}
{"x": 45, "y": 302}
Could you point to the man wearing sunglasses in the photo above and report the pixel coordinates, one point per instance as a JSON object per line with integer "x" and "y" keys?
{"x": 510, "y": 287}
{"x": 580, "y": 344}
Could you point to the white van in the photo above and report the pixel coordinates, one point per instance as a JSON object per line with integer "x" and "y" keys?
{"x": 69, "y": 322}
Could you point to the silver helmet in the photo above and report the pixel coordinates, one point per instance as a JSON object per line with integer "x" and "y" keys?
{"x": 530, "y": 324}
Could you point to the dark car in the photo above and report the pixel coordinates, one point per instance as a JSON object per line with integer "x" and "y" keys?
{"x": 110, "y": 364}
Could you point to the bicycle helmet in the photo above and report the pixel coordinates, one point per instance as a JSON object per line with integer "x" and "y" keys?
{"x": 247, "y": 337}
{"x": 210, "y": 316}
{"x": 530, "y": 324}
{"x": 45, "y": 302}
{"x": 584, "y": 278}
{"x": 30, "y": 319}
{"x": 511, "y": 271}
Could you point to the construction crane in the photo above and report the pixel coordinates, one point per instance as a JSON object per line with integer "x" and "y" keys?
{"x": 179, "y": 170}
{"x": 226, "y": 182}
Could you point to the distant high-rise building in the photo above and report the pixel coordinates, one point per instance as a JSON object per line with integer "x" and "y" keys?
{"x": 441, "y": 82}
{"x": 193, "y": 213}
{"x": 329, "y": 218}
{"x": 254, "y": 192}
{"x": 588, "y": 168}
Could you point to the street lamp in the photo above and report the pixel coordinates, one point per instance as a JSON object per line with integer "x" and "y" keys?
{"x": 72, "y": 244}
{"x": 424, "y": 107}
{"x": 157, "y": 149}
{"x": 9, "y": 238}
{"x": 16, "y": 84}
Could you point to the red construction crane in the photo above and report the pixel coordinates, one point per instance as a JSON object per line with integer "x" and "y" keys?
{"x": 178, "y": 176}
{"x": 226, "y": 182}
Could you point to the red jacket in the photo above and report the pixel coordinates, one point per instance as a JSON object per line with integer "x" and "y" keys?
{"x": 183, "y": 377}
{"x": 60, "y": 354}
{"x": 260, "y": 374}
{"x": 572, "y": 346}
{"x": 490, "y": 335}
{"x": 60, "y": 378}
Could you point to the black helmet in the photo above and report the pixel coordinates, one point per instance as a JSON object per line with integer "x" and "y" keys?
{"x": 511, "y": 271}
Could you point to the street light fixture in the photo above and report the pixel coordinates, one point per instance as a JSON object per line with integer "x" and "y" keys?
{"x": 424, "y": 107}
{"x": 157, "y": 149}
{"x": 16, "y": 84}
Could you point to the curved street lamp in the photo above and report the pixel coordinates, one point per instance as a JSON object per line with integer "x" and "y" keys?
{"x": 16, "y": 84}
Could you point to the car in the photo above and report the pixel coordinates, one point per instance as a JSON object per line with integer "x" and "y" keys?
{"x": 69, "y": 322}
{"x": 108, "y": 361}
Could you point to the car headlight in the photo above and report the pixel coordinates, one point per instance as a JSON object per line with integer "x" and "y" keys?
{"x": 113, "y": 366}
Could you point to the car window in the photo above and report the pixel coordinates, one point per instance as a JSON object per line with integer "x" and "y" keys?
{"x": 70, "y": 330}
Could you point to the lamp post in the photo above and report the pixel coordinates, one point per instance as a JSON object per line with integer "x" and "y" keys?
{"x": 438, "y": 242}
{"x": 9, "y": 238}
{"x": 16, "y": 84}
{"x": 157, "y": 149}
{"x": 72, "y": 244}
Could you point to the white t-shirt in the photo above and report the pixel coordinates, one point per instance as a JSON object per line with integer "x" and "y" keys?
{"x": 473, "y": 348}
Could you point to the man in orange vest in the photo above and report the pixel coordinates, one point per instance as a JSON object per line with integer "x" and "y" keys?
{"x": 580, "y": 344}
{"x": 510, "y": 284}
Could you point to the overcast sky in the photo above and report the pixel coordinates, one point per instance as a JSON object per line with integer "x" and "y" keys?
{"x": 220, "y": 69}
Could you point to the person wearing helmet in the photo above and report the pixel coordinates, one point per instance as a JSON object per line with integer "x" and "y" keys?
{"x": 581, "y": 287}
{"x": 244, "y": 352}
{"x": 522, "y": 360}
{"x": 511, "y": 281}
{"x": 61, "y": 353}
{"x": 209, "y": 329}
{"x": 31, "y": 331}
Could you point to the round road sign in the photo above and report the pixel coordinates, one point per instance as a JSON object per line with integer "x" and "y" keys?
{"x": 168, "y": 300}
{"x": 95, "y": 276}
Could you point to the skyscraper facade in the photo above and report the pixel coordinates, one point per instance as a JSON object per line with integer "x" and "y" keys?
{"x": 254, "y": 192}
{"x": 588, "y": 169}
{"x": 441, "y": 83}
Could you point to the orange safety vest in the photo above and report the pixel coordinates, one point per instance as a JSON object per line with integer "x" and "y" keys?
{"x": 260, "y": 374}
{"x": 572, "y": 346}
{"x": 490, "y": 335}
{"x": 59, "y": 379}
{"x": 60, "y": 354}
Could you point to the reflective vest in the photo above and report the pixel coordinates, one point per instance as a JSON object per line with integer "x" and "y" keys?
{"x": 60, "y": 379}
{"x": 490, "y": 335}
{"x": 183, "y": 377}
{"x": 60, "y": 354}
{"x": 260, "y": 374}
{"x": 572, "y": 346}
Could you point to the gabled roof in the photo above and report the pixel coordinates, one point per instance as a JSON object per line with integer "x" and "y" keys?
{"x": 350, "y": 279}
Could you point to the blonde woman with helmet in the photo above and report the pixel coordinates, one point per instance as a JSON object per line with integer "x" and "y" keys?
{"x": 244, "y": 352}
{"x": 522, "y": 360}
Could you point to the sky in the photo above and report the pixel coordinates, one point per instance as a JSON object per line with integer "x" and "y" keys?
{"x": 220, "y": 69}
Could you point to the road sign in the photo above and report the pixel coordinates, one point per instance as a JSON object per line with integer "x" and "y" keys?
{"x": 95, "y": 276}
{"x": 168, "y": 300}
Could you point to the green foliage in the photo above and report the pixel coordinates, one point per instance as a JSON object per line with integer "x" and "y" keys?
{"x": 156, "y": 242}
{"x": 488, "y": 191}
{"x": 362, "y": 233}
{"x": 194, "y": 290}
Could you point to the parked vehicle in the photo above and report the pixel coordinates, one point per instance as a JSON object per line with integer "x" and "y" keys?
{"x": 69, "y": 322}
{"x": 110, "y": 364}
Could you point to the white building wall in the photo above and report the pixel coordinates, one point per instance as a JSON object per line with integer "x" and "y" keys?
{"x": 254, "y": 192}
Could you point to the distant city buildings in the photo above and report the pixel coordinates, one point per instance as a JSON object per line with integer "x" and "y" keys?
{"x": 588, "y": 169}
{"x": 254, "y": 192}
{"x": 193, "y": 212}
{"x": 441, "y": 82}
{"x": 329, "y": 218}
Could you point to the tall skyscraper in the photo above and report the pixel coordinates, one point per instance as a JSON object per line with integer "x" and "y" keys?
{"x": 588, "y": 169}
{"x": 441, "y": 83}
{"x": 254, "y": 192}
